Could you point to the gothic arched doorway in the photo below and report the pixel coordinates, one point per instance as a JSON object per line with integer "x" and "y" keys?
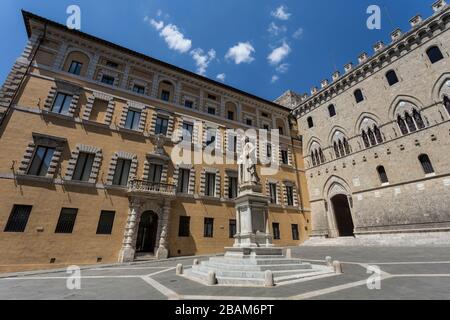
{"x": 148, "y": 228}
{"x": 343, "y": 216}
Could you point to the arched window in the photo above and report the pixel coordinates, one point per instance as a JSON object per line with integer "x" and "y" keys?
{"x": 331, "y": 110}
{"x": 447, "y": 104}
{"x": 372, "y": 139}
{"x": 313, "y": 158}
{"x": 336, "y": 150}
{"x": 382, "y": 174}
{"x": 322, "y": 157}
{"x": 391, "y": 77}
{"x": 310, "y": 122}
{"x": 378, "y": 135}
{"x": 402, "y": 125}
{"x": 358, "y": 95}
{"x": 346, "y": 147}
{"x": 365, "y": 139}
{"x": 418, "y": 119}
{"x": 426, "y": 164}
{"x": 410, "y": 122}
{"x": 434, "y": 54}
{"x": 341, "y": 148}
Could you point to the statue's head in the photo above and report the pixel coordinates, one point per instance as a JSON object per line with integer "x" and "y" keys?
{"x": 247, "y": 139}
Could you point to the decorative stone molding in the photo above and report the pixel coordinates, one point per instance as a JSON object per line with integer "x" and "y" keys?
{"x": 110, "y": 73}
{"x": 44, "y": 141}
{"x": 113, "y": 164}
{"x": 149, "y": 161}
{"x": 294, "y": 193}
{"x": 95, "y": 166}
{"x": 279, "y": 194}
{"x": 290, "y": 156}
{"x": 203, "y": 181}
{"x": 229, "y": 174}
{"x": 90, "y": 104}
{"x": 195, "y": 102}
{"x": 139, "y": 83}
{"x": 176, "y": 176}
{"x": 66, "y": 88}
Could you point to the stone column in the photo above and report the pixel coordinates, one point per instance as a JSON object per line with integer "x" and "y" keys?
{"x": 163, "y": 251}
{"x": 131, "y": 228}
{"x": 154, "y": 92}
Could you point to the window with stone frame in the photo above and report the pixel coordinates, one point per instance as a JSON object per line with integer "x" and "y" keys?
{"x": 139, "y": 89}
{"x": 75, "y": 68}
{"x": 289, "y": 195}
{"x": 84, "y": 164}
{"x": 155, "y": 173}
{"x": 99, "y": 108}
{"x": 122, "y": 172}
{"x": 62, "y": 103}
{"x": 188, "y": 131}
{"x": 107, "y": 79}
{"x": 232, "y": 187}
{"x": 83, "y": 167}
{"x": 133, "y": 119}
{"x": 162, "y": 124}
{"x": 63, "y": 98}
{"x": 410, "y": 121}
{"x": 210, "y": 184}
{"x": 165, "y": 95}
{"x": 284, "y": 156}
{"x": 447, "y": 104}
{"x": 42, "y": 156}
{"x": 273, "y": 196}
{"x": 435, "y": 54}
{"x": 189, "y": 104}
{"x": 210, "y": 136}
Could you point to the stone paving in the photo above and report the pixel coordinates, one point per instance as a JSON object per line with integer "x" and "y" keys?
{"x": 406, "y": 273}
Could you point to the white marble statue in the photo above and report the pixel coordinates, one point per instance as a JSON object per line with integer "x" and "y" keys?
{"x": 247, "y": 165}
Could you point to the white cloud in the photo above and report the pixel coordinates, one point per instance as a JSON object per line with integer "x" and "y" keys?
{"x": 158, "y": 25}
{"x": 281, "y": 13}
{"x": 279, "y": 54}
{"x": 283, "y": 68}
{"x": 275, "y": 30}
{"x": 221, "y": 77}
{"x": 202, "y": 59}
{"x": 274, "y": 79}
{"x": 298, "y": 34}
{"x": 175, "y": 39}
{"x": 241, "y": 53}
{"x": 159, "y": 13}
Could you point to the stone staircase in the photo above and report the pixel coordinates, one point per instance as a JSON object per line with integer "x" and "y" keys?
{"x": 251, "y": 271}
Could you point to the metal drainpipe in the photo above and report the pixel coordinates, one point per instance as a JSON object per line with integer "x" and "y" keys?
{"x": 8, "y": 109}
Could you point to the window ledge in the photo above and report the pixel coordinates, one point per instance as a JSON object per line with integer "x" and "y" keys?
{"x": 94, "y": 123}
{"x": 114, "y": 187}
{"x": 385, "y": 184}
{"x": 185, "y": 195}
{"x": 430, "y": 175}
{"x": 57, "y": 115}
{"x": 275, "y": 205}
{"x": 209, "y": 198}
{"x": 26, "y": 177}
{"x": 79, "y": 183}
{"x": 123, "y": 129}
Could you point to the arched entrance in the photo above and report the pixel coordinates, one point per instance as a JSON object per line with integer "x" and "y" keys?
{"x": 148, "y": 228}
{"x": 343, "y": 215}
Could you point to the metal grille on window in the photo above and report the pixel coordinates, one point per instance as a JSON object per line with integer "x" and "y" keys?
{"x": 106, "y": 222}
{"x": 66, "y": 220}
{"x": 18, "y": 218}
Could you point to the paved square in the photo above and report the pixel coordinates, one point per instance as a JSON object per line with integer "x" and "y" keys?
{"x": 407, "y": 273}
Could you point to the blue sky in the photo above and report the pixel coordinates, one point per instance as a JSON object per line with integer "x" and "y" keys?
{"x": 264, "y": 47}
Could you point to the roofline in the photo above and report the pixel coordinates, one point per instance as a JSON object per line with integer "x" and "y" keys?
{"x": 27, "y": 16}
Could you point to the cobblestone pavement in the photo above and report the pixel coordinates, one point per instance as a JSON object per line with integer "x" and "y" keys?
{"x": 406, "y": 273}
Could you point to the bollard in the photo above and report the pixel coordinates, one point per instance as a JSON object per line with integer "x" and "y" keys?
{"x": 288, "y": 253}
{"x": 179, "y": 269}
{"x": 329, "y": 261}
{"x": 337, "y": 267}
{"x": 268, "y": 279}
{"x": 195, "y": 262}
{"x": 212, "y": 278}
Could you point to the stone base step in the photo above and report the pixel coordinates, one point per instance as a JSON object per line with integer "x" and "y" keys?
{"x": 252, "y": 267}
{"x": 258, "y": 261}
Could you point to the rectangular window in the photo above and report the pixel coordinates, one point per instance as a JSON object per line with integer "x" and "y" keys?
{"x": 281, "y": 131}
{"x": 155, "y": 173}
{"x": 212, "y": 110}
{"x": 188, "y": 104}
{"x": 210, "y": 188}
{"x": 18, "y": 219}
{"x": 284, "y": 157}
{"x": 183, "y": 180}
{"x": 138, "y": 89}
{"x": 184, "y": 227}
{"x": 41, "y": 161}
{"x": 232, "y": 187}
{"x": 66, "y": 220}
{"x": 269, "y": 151}
{"x": 295, "y": 234}
{"x": 230, "y": 115}
{"x": 161, "y": 125}
{"x": 165, "y": 95}
{"x": 75, "y": 68}
{"x": 265, "y": 115}
{"x": 273, "y": 192}
{"x": 232, "y": 228}
{"x": 188, "y": 130}
{"x": 266, "y": 127}
{"x": 122, "y": 172}
{"x": 106, "y": 222}
{"x": 84, "y": 167}
{"x": 108, "y": 79}
{"x": 208, "y": 231}
{"x": 249, "y": 122}
{"x": 62, "y": 103}
{"x": 210, "y": 96}
{"x": 133, "y": 120}
{"x": 276, "y": 231}
{"x": 290, "y": 195}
